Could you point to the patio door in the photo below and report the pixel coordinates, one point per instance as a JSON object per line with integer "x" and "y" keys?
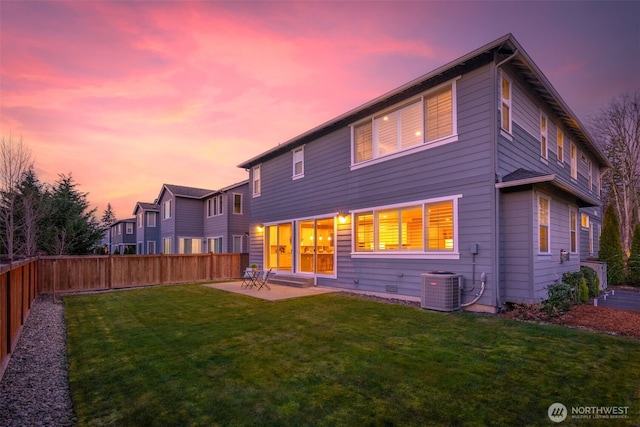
{"x": 316, "y": 246}
{"x": 278, "y": 246}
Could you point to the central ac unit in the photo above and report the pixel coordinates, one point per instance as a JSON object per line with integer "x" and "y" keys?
{"x": 441, "y": 290}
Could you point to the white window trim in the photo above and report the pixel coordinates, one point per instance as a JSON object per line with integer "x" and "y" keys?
{"x": 128, "y": 229}
{"x": 181, "y": 245}
{"x": 584, "y": 215}
{"x": 419, "y": 147}
{"x": 559, "y": 147}
{"x": 140, "y": 219}
{"x": 214, "y": 206}
{"x": 573, "y": 158}
{"x": 210, "y": 249}
{"x": 233, "y": 211}
{"x": 257, "y": 168}
{"x": 233, "y": 242}
{"x": 169, "y": 250}
{"x": 537, "y": 224}
{"x": 149, "y": 242}
{"x": 509, "y": 103}
{"x": 167, "y": 214}
{"x": 454, "y": 254}
{"x": 151, "y": 215}
{"x": 577, "y": 230}
{"x": 544, "y": 133}
{"x": 590, "y": 175}
{"x": 299, "y": 151}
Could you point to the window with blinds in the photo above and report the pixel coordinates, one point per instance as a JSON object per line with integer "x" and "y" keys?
{"x": 543, "y": 224}
{"x": 439, "y": 114}
{"x": 426, "y": 227}
{"x": 440, "y": 226}
{"x": 431, "y": 117}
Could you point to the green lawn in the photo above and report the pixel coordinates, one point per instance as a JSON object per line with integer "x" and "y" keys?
{"x": 190, "y": 355}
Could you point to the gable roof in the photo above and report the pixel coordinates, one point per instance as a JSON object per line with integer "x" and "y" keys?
{"x": 154, "y": 207}
{"x": 186, "y": 192}
{"x": 505, "y": 49}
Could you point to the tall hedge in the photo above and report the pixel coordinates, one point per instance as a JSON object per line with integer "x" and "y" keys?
{"x": 634, "y": 258}
{"x": 611, "y": 247}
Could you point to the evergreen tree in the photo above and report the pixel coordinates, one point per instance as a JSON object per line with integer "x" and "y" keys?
{"x": 634, "y": 258}
{"x": 72, "y": 227}
{"x": 108, "y": 217}
{"x": 611, "y": 247}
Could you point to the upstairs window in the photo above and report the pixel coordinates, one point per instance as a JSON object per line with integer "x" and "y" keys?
{"x": 298, "y": 163}
{"x": 424, "y": 120}
{"x": 590, "y": 175}
{"x": 151, "y": 219}
{"x": 214, "y": 206}
{"x": 129, "y": 228}
{"x": 543, "y": 136}
{"x": 505, "y": 104}
{"x": 574, "y": 161}
{"x": 237, "y": 203}
{"x": 140, "y": 220}
{"x": 256, "y": 183}
{"x": 560, "y": 141}
{"x": 166, "y": 210}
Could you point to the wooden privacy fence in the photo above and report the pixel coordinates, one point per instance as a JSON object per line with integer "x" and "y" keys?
{"x": 99, "y": 272}
{"x": 18, "y": 289}
{"x": 22, "y": 281}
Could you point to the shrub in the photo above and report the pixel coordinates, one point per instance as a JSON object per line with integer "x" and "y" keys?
{"x": 634, "y": 258}
{"x": 560, "y": 298}
{"x": 592, "y": 279}
{"x": 611, "y": 247}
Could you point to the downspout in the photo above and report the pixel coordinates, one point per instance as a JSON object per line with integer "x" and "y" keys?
{"x": 496, "y": 191}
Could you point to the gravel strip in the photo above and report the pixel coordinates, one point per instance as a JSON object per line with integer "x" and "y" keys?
{"x": 34, "y": 390}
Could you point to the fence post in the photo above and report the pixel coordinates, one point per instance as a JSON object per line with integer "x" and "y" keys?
{"x": 9, "y": 311}
{"x": 109, "y": 271}
{"x": 162, "y": 268}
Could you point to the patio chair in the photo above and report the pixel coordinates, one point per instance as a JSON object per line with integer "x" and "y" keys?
{"x": 261, "y": 280}
{"x": 247, "y": 278}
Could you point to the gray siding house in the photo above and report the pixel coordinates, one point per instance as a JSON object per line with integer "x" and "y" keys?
{"x": 226, "y": 219}
{"x": 181, "y": 219}
{"x": 123, "y": 236}
{"x": 196, "y": 220}
{"x": 477, "y": 168}
{"x": 147, "y": 228}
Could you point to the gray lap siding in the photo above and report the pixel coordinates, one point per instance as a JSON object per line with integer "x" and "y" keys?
{"x": 463, "y": 167}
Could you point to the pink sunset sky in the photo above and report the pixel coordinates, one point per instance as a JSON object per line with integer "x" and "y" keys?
{"x": 129, "y": 95}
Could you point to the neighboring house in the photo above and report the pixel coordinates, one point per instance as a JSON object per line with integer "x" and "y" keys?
{"x": 226, "y": 219}
{"x": 196, "y": 220}
{"x": 147, "y": 228}
{"x": 123, "y": 236}
{"x": 478, "y": 168}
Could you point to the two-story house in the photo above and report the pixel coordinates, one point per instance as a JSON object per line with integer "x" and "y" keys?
{"x": 196, "y": 220}
{"x": 226, "y": 219}
{"x": 123, "y": 237}
{"x": 478, "y": 168}
{"x": 147, "y": 228}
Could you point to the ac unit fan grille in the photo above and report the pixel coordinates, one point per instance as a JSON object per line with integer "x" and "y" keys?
{"x": 441, "y": 291}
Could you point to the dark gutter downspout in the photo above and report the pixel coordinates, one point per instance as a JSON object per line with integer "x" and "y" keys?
{"x": 496, "y": 191}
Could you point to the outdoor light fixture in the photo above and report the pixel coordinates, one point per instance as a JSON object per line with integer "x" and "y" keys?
{"x": 342, "y": 217}
{"x": 260, "y": 228}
